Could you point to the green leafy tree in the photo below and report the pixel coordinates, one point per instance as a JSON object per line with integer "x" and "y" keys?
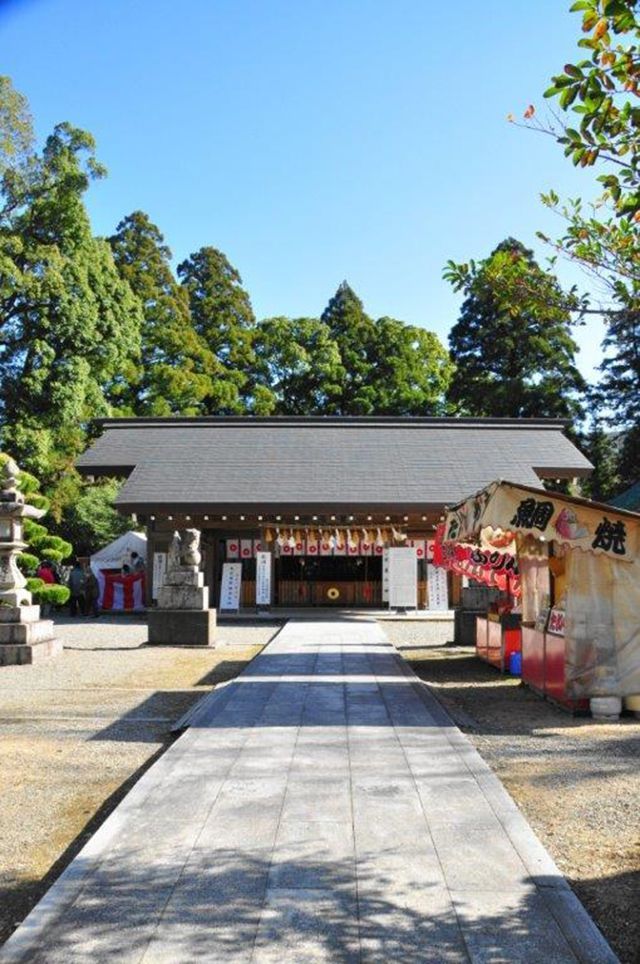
{"x": 16, "y": 127}
{"x": 412, "y": 370}
{"x": 386, "y": 366}
{"x": 68, "y": 323}
{"x": 514, "y": 352}
{"x": 298, "y": 366}
{"x": 170, "y": 377}
{"x": 599, "y": 95}
{"x": 89, "y": 519}
{"x": 223, "y": 319}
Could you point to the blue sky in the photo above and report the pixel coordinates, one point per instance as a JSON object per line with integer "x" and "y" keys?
{"x": 312, "y": 140}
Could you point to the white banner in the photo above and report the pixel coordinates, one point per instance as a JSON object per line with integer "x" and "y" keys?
{"x": 263, "y": 579}
{"x": 233, "y": 549}
{"x": 437, "y": 589}
{"x": 246, "y": 548}
{"x": 403, "y": 578}
{"x": 385, "y": 575}
{"x": 230, "y": 587}
{"x": 159, "y": 571}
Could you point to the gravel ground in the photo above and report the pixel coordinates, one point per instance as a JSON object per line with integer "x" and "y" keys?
{"x": 77, "y": 732}
{"x": 409, "y": 634}
{"x": 577, "y": 781}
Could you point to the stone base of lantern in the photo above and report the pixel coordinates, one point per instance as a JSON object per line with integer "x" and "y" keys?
{"x": 24, "y": 637}
{"x": 182, "y": 627}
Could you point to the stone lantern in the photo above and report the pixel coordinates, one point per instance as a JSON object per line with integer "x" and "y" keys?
{"x": 24, "y": 637}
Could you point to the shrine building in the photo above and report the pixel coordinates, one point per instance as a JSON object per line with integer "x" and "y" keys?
{"x": 324, "y": 495}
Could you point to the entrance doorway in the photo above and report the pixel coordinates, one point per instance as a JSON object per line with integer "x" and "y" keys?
{"x": 329, "y": 581}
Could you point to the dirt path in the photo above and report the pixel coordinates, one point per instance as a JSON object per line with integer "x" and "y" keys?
{"x": 577, "y": 781}
{"x": 77, "y": 732}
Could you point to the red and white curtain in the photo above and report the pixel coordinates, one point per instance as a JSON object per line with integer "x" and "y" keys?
{"x": 121, "y": 593}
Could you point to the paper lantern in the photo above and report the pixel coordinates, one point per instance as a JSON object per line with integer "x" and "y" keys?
{"x": 268, "y": 535}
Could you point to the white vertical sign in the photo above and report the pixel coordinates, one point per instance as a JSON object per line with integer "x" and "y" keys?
{"x": 403, "y": 578}
{"x": 230, "y": 588}
{"x": 159, "y": 571}
{"x": 385, "y": 575}
{"x": 437, "y": 588}
{"x": 263, "y": 578}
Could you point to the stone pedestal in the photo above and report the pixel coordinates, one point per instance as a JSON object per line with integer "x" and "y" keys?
{"x": 182, "y": 627}
{"x": 24, "y": 637}
{"x": 183, "y": 617}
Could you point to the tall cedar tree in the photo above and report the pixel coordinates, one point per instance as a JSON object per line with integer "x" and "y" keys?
{"x": 69, "y": 324}
{"x": 388, "y": 367}
{"x": 223, "y": 319}
{"x": 352, "y": 330}
{"x": 171, "y": 377}
{"x": 514, "y": 359}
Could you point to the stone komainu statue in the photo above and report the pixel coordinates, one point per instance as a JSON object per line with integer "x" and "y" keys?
{"x": 190, "y": 554}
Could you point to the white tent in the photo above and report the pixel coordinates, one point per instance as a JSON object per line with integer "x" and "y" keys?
{"x": 113, "y": 557}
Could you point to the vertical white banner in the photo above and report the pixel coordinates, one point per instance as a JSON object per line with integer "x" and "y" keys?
{"x": 385, "y": 575}
{"x": 437, "y": 589}
{"x": 159, "y": 571}
{"x": 246, "y": 548}
{"x": 233, "y": 549}
{"x": 263, "y": 579}
{"x": 403, "y": 578}
{"x": 230, "y": 586}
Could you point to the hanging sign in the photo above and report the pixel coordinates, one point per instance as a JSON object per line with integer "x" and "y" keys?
{"x": 403, "y": 578}
{"x": 230, "y": 587}
{"x": 437, "y": 589}
{"x": 556, "y": 622}
{"x": 509, "y": 509}
{"x": 246, "y": 548}
{"x": 263, "y": 579}
{"x": 159, "y": 571}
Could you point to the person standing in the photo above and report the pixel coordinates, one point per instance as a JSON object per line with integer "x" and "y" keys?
{"x": 46, "y": 573}
{"x": 76, "y": 588}
{"x": 91, "y": 593}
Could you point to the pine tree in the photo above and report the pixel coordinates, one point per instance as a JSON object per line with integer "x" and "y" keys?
{"x": 514, "y": 353}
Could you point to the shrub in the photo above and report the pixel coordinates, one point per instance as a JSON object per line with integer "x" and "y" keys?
{"x": 35, "y": 585}
{"x": 54, "y": 595}
{"x": 34, "y": 533}
{"x": 27, "y": 563}
{"x": 56, "y": 544}
{"x": 52, "y": 554}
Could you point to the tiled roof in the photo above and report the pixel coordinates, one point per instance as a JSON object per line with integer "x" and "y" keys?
{"x": 401, "y": 462}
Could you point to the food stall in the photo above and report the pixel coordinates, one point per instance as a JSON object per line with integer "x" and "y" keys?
{"x": 491, "y": 562}
{"x": 579, "y": 585}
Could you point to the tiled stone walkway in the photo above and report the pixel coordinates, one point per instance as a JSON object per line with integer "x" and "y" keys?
{"x": 322, "y": 807}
